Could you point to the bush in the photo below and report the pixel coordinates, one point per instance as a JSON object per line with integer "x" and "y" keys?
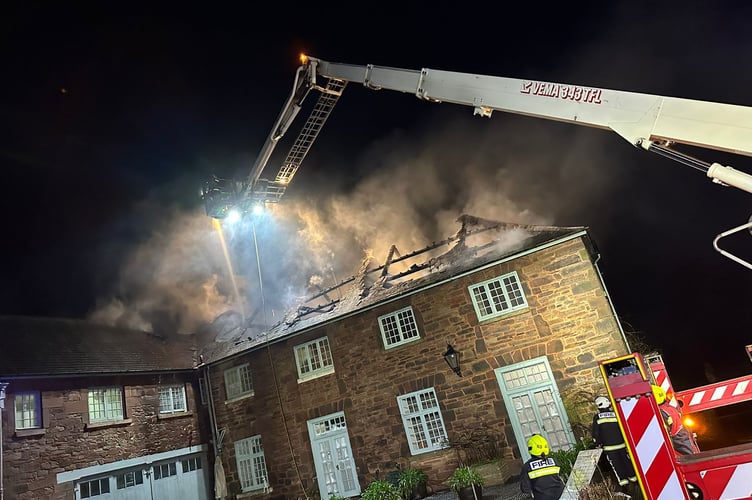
{"x": 409, "y": 479}
{"x": 380, "y": 490}
{"x": 464, "y": 477}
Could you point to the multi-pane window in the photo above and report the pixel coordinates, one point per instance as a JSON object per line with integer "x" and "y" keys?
{"x": 251, "y": 463}
{"x": 129, "y": 479}
{"x": 398, "y": 327}
{"x": 498, "y": 296}
{"x": 191, "y": 464}
{"x": 172, "y": 399}
{"x": 28, "y": 410}
{"x": 95, "y": 488}
{"x": 105, "y": 403}
{"x": 165, "y": 470}
{"x": 314, "y": 358}
{"x": 238, "y": 381}
{"x": 422, "y": 420}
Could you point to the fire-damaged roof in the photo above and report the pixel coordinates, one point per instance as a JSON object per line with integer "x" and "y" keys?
{"x": 35, "y": 347}
{"x": 478, "y": 243}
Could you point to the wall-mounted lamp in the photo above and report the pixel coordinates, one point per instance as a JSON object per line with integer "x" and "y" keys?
{"x": 452, "y": 358}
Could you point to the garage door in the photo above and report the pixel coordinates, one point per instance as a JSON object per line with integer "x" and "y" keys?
{"x": 184, "y": 478}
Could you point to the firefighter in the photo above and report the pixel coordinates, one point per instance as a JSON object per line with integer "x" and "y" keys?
{"x": 540, "y": 475}
{"x": 607, "y": 435}
{"x": 682, "y": 440}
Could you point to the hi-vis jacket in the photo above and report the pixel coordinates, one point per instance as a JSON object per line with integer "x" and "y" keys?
{"x": 606, "y": 432}
{"x": 540, "y": 476}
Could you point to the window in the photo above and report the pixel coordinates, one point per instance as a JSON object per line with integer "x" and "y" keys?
{"x": 203, "y": 391}
{"x": 422, "y": 419}
{"x": 497, "y": 296}
{"x": 314, "y": 359}
{"x": 238, "y": 382}
{"x": 172, "y": 399}
{"x": 398, "y": 327}
{"x": 251, "y": 462}
{"x": 165, "y": 470}
{"x": 191, "y": 464}
{"x": 28, "y": 410}
{"x": 105, "y": 404}
{"x": 95, "y": 488}
{"x": 129, "y": 479}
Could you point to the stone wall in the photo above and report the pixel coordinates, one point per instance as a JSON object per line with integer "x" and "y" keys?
{"x": 33, "y": 458}
{"x": 568, "y": 320}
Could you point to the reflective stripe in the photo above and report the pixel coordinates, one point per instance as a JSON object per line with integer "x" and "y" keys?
{"x": 606, "y": 420}
{"x": 545, "y": 471}
{"x": 613, "y": 447}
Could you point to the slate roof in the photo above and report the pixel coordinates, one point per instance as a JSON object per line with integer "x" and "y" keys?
{"x": 478, "y": 243}
{"x": 32, "y": 346}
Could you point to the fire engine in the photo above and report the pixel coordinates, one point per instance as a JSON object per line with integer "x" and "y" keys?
{"x": 650, "y": 122}
{"x": 720, "y": 474}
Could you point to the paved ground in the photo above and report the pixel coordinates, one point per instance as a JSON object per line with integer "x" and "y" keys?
{"x": 509, "y": 491}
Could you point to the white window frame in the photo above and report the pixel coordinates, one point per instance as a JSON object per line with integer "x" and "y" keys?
{"x": 422, "y": 420}
{"x": 498, "y": 296}
{"x": 251, "y": 464}
{"x": 399, "y": 328}
{"x": 314, "y": 359}
{"x": 203, "y": 391}
{"x": 111, "y": 401}
{"x": 28, "y": 410}
{"x": 172, "y": 399}
{"x": 95, "y": 487}
{"x": 238, "y": 382}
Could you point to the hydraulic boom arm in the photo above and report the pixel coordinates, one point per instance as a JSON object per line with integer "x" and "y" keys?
{"x": 651, "y": 122}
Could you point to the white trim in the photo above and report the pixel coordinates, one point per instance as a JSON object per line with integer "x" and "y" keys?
{"x": 75, "y": 475}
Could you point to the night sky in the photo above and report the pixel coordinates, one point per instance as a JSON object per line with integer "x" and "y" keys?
{"x": 112, "y": 118}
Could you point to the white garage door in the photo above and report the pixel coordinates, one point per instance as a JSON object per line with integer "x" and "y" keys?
{"x": 184, "y": 478}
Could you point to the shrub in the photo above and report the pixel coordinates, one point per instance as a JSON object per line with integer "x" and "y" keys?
{"x": 464, "y": 477}
{"x": 410, "y": 479}
{"x": 566, "y": 458}
{"x": 380, "y": 490}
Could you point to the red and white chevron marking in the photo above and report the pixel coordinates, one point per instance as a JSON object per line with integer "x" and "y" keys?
{"x": 718, "y": 394}
{"x": 652, "y": 451}
{"x": 729, "y": 482}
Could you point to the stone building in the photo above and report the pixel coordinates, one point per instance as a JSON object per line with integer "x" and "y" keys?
{"x": 354, "y": 383}
{"x": 100, "y": 412}
{"x": 346, "y": 388}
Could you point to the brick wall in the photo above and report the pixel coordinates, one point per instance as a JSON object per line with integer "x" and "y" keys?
{"x": 569, "y": 321}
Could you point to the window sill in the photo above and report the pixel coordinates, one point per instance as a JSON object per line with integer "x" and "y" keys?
{"x": 22, "y": 433}
{"x": 168, "y": 416}
{"x": 316, "y": 375}
{"x": 254, "y": 493}
{"x": 240, "y": 398}
{"x": 104, "y": 425}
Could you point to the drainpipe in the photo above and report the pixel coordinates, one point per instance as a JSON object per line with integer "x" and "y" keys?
{"x": 3, "y": 386}
{"x": 610, "y": 302}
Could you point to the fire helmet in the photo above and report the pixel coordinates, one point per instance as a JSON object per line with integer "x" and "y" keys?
{"x": 659, "y": 394}
{"x": 537, "y": 445}
{"x": 602, "y": 402}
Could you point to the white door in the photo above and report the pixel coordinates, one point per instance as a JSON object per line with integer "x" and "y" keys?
{"x": 332, "y": 455}
{"x": 534, "y": 404}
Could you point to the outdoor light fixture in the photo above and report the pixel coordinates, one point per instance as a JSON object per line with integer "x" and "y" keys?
{"x": 452, "y": 358}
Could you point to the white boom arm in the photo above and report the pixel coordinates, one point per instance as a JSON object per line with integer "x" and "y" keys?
{"x": 651, "y": 122}
{"x": 642, "y": 119}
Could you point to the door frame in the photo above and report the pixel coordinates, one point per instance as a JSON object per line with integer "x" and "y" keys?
{"x": 320, "y": 473}
{"x": 529, "y": 389}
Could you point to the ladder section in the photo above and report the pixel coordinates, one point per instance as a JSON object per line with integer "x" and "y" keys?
{"x": 330, "y": 94}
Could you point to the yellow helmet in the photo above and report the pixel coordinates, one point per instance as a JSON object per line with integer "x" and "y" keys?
{"x": 537, "y": 445}
{"x": 659, "y": 394}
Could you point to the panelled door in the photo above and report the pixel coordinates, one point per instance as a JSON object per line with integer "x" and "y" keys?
{"x": 534, "y": 404}
{"x": 332, "y": 455}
